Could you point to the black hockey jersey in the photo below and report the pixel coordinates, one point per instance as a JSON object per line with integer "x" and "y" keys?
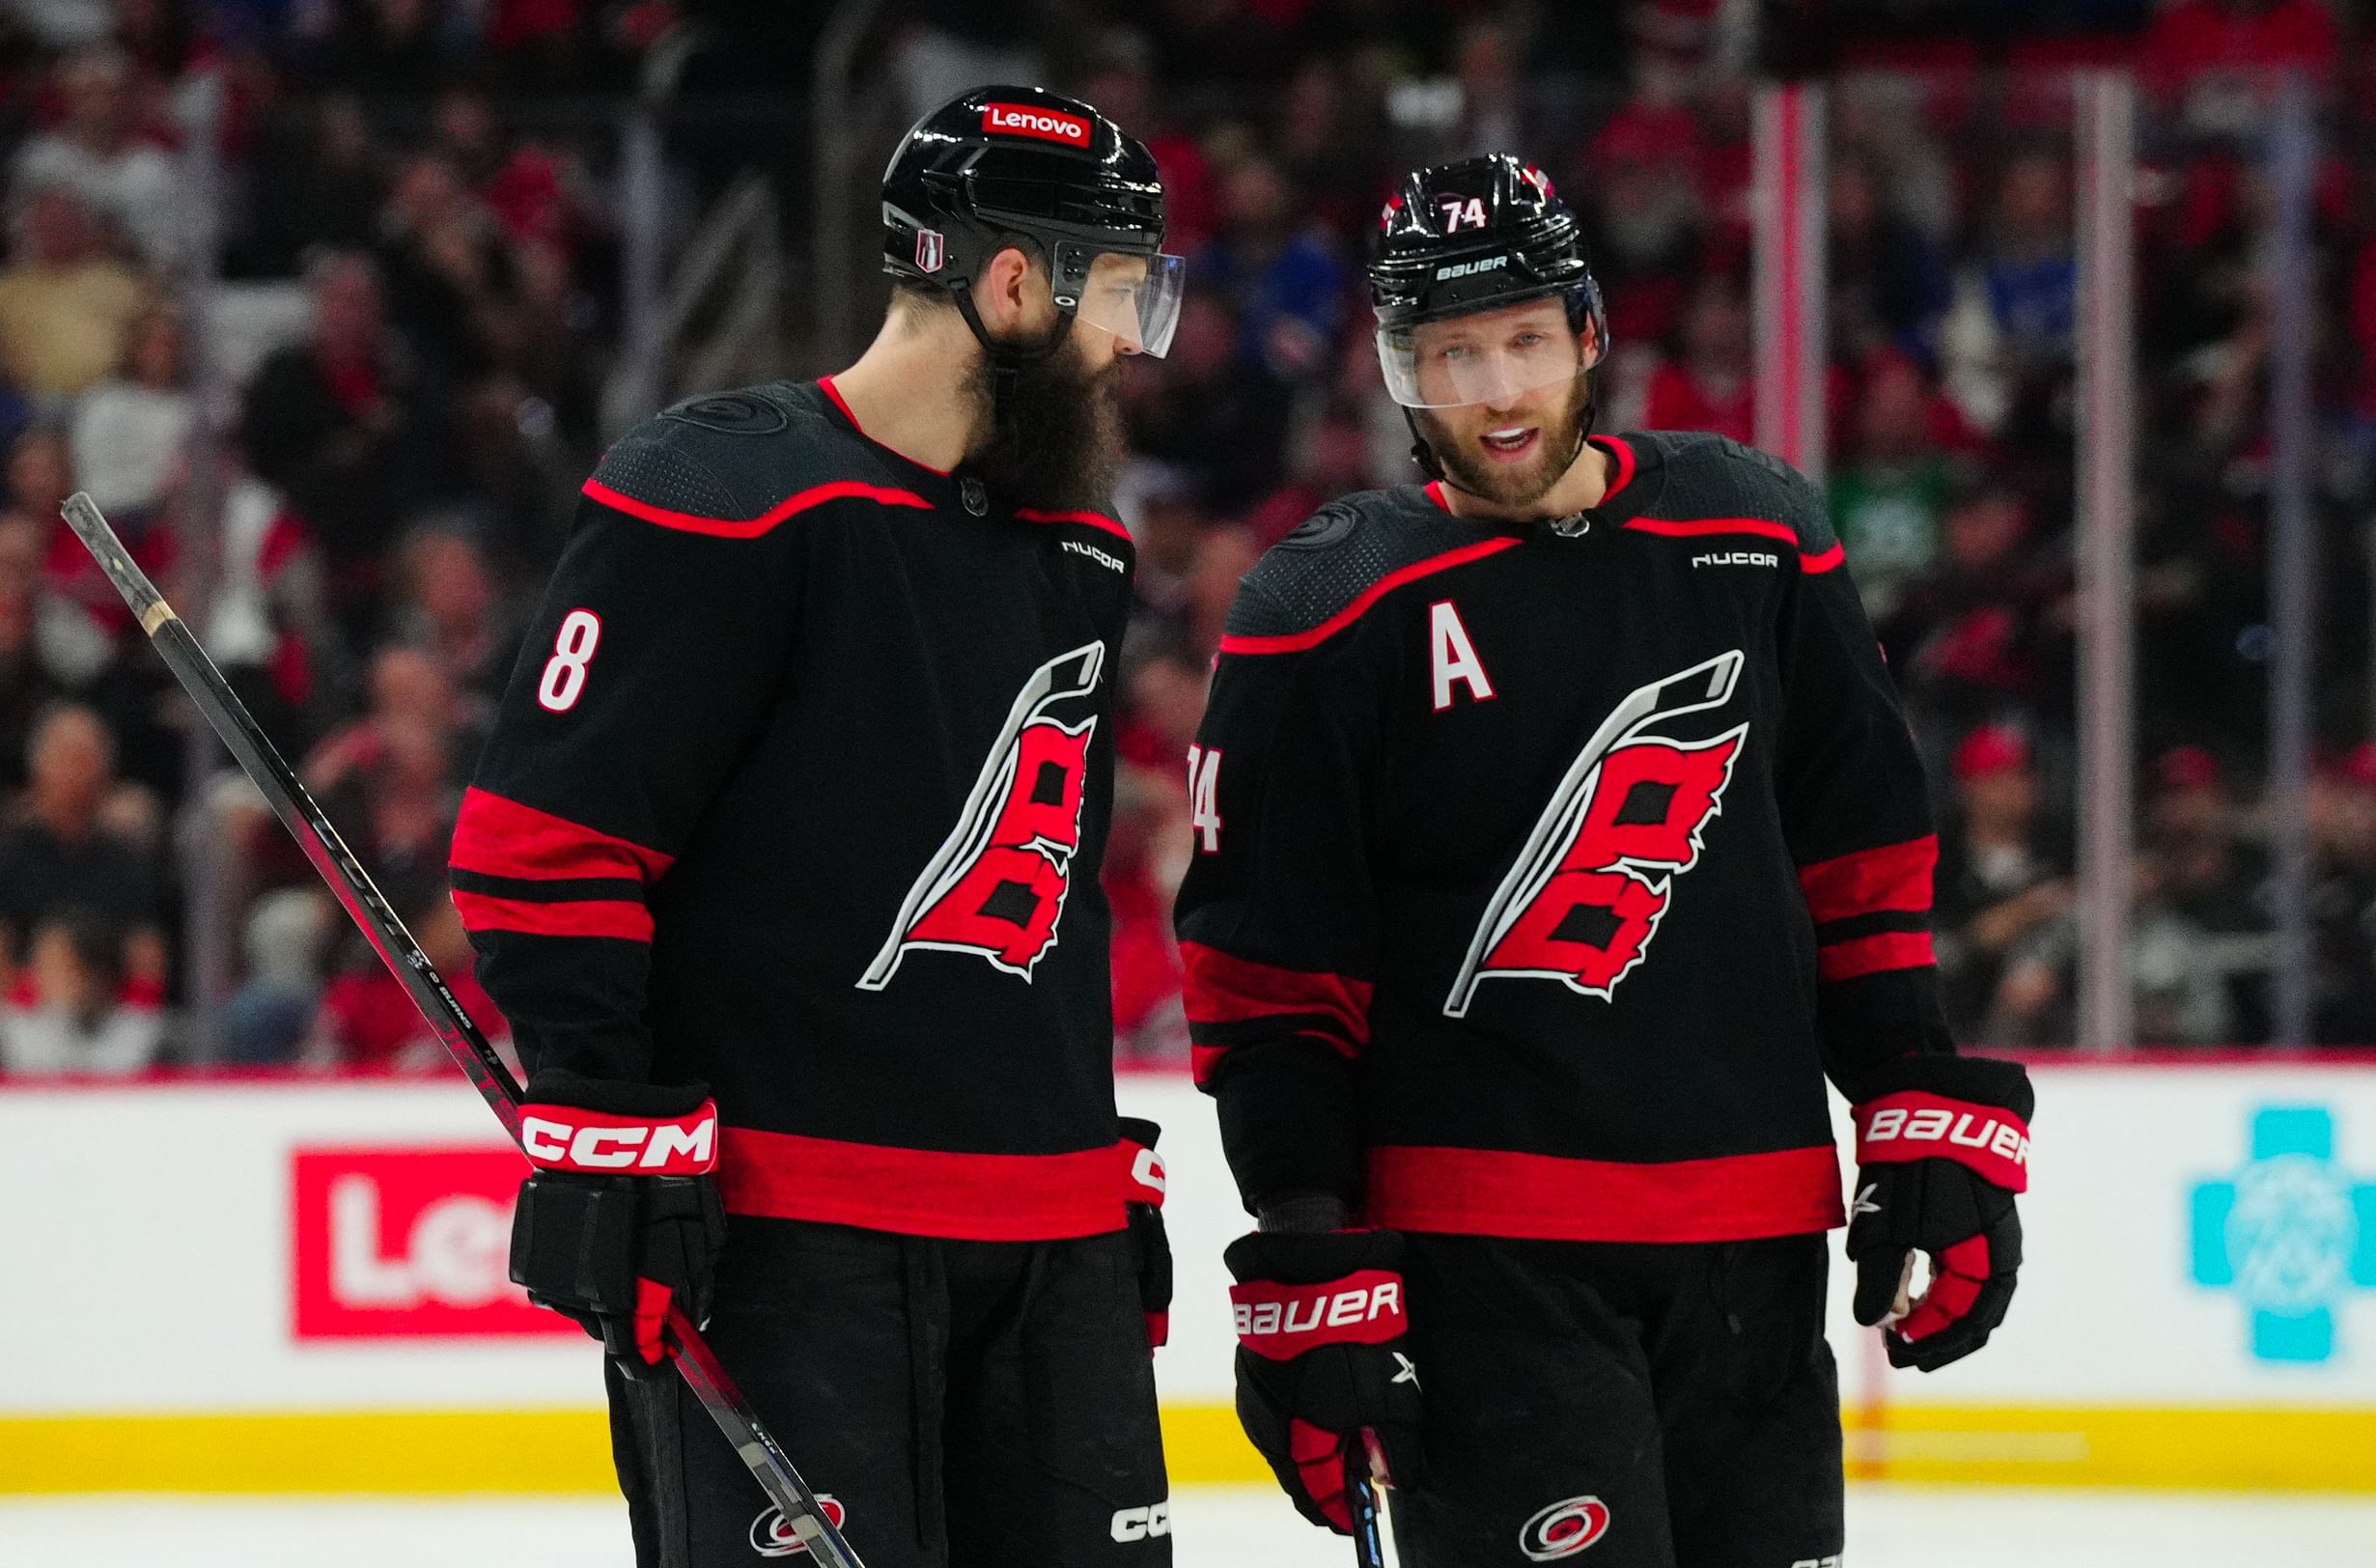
{"x": 1539, "y": 876}
{"x": 800, "y": 788}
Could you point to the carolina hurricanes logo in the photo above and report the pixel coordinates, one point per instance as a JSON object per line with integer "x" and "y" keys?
{"x": 999, "y": 882}
{"x": 772, "y": 1534}
{"x": 1563, "y": 1529}
{"x": 1588, "y": 890}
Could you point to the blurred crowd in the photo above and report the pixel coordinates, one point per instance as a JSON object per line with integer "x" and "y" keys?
{"x": 388, "y": 444}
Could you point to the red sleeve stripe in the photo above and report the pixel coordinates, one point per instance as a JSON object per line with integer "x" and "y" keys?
{"x": 1090, "y": 520}
{"x": 1867, "y": 882}
{"x": 752, "y": 527}
{"x": 1871, "y": 954}
{"x": 1291, "y": 642}
{"x": 1221, "y": 988}
{"x": 618, "y": 917}
{"x": 496, "y": 836}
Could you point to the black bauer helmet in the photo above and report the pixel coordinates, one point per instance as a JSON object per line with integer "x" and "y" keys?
{"x": 1459, "y": 238}
{"x": 998, "y": 162}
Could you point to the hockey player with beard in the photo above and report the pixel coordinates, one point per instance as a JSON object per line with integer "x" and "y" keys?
{"x": 1556, "y": 833}
{"x": 783, "y": 863}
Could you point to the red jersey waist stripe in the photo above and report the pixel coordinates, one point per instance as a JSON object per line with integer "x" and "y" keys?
{"x": 1545, "y": 1197}
{"x": 1289, "y": 642}
{"x": 752, "y": 527}
{"x": 971, "y": 1197}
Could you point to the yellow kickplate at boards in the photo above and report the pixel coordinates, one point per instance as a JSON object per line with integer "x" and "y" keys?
{"x": 2249, "y": 1448}
{"x": 388, "y": 1451}
{"x": 564, "y": 1452}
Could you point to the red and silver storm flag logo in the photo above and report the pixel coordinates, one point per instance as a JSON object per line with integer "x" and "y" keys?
{"x": 996, "y": 887}
{"x": 1588, "y": 890}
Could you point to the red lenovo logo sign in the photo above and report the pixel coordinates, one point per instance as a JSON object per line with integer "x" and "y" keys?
{"x": 408, "y": 1242}
{"x": 1048, "y": 124}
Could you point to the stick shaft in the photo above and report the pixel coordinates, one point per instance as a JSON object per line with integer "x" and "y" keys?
{"x": 463, "y": 1039}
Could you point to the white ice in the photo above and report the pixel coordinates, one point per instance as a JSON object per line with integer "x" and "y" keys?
{"x": 1890, "y": 1526}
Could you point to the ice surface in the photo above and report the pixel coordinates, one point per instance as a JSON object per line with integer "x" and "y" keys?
{"x": 1890, "y": 1526}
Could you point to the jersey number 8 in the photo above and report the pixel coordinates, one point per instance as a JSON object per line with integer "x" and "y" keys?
{"x": 564, "y": 673}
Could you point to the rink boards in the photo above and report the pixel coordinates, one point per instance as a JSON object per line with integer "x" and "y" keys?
{"x": 297, "y": 1285}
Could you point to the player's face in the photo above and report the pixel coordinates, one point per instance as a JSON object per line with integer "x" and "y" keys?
{"x": 1524, "y": 367}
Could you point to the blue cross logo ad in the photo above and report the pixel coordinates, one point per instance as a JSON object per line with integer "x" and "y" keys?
{"x": 2291, "y": 1233}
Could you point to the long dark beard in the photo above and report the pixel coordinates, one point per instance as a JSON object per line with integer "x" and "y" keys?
{"x": 1563, "y": 439}
{"x": 1056, "y": 438}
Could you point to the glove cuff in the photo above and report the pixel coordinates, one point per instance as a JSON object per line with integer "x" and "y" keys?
{"x": 1279, "y": 1323}
{"x": 1981, "y": 1080}
{"x": 601, "y": 1128}
{"x": 1303, "y": 1258}
{"x": 1970, "y": 1109}
{"x": 1143, "y": 1178}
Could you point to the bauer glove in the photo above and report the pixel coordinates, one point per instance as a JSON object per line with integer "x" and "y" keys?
{"x": 1143, "y": 1200}
{"x": 1943, "y": 1145}
{"x": 1321, "y": 1358}
{"x": 621, "y": 1217}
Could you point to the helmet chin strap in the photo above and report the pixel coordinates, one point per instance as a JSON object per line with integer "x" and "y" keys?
{"x": 1007, "y": 359}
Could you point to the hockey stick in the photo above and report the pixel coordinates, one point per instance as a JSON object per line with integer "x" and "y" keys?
{"x": 1365, "y": 1467}
{"x": 180, "y": 648}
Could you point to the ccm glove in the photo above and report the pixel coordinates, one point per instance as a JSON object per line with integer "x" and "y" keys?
{"x": 1943, "y": 1145}
{"x": 1143, "y": 1200}
{"x": 621, "y": 1217}
{"x": 1322, "y": 1357}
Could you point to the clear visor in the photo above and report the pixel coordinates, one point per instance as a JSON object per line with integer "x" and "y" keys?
{"x": 1135, "y": 297}
{"x": 1491, "y": 357}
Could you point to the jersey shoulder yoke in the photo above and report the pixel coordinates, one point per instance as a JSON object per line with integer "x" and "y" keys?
{"x": 1318, "y": 580}
{"x": 1711, "y": 476}
{"x": 738, "y": 464}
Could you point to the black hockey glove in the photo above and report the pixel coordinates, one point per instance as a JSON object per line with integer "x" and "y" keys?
{"x": 1943, "y": 1145}
{"x": 621, "y": 1217}
{"x": 1321, "y": 1359}
{"x": 1143, "y": 1201}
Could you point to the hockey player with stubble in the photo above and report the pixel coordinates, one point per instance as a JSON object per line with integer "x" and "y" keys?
{"x": 1556, "y": 835}
{"x": 783, "y": 863}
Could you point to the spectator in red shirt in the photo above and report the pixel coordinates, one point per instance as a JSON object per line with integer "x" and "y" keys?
{"x": 1708, "y": 384}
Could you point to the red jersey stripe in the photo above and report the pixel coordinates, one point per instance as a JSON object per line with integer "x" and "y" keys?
{"x": 752, "y": 527}
{"x": 496, "y": 836}
{"x": 1867, "y": 882}
{"x": 1871, "y": 954}
{"x": 825, "y": 384}
{"x": 566, "y": 918}
{"x": 1623, "y": 451}
{"x": 1290, "y": 642}
{"x": 1694, "y": 528}
{"x": 1824, "y": 560}
{"x": 971, "y": 1197}
{"x": 1544, "y": 1197}
{"x": 1092, "y": 519}
{"x": 1221, "y": 988}
{"x": 1434, "y": 494}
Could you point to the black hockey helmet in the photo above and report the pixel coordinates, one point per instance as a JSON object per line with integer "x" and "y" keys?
{"x": 1476, "y": 236}
{"x": 997, "y": 162}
